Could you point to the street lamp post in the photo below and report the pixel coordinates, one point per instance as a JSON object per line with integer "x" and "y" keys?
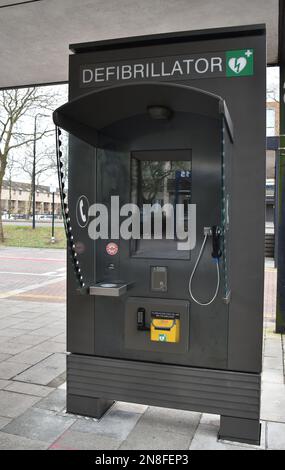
{"x": 34, "y": 174}
{"x": 52, "y": 190}
{"x": 34, "y": 167}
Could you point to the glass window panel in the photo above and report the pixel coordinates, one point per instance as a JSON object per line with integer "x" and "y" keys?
{"x": 161, "y": 181}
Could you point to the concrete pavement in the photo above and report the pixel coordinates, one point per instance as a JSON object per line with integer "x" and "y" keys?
{"x": 32, "y": 274}
{"x": 32, "y": 375}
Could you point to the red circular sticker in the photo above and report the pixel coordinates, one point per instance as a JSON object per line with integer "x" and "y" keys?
{"x": 112, "y": 248}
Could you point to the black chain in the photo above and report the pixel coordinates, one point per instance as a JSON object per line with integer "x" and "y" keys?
{"x": 71, "y": 246}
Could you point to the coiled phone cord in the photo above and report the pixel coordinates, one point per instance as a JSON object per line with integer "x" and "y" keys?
{"x": 204, "y": 304}
{"x": 82, "y": 288}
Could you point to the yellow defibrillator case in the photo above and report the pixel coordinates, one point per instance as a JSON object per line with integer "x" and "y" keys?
{"x": 165, "y": 327}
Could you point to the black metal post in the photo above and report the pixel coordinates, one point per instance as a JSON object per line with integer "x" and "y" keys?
{"x": 34, "y": 174}
{"x": 276, "y": 207}
{"x": 280, "y": 303}
{"x": 52, "y": 226}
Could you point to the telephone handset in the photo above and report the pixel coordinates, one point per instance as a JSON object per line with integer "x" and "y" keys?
{"x": 216, "y": 240}
{"x": 215, "y": 232}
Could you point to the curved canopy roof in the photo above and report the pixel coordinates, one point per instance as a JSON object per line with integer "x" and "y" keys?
{"x": 103, "y": 107}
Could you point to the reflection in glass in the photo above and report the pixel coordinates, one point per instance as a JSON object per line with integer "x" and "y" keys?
{"x": 160, "y": 181}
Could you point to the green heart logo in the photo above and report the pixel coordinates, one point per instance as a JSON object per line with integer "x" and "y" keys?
{"x": 239, "y": 63}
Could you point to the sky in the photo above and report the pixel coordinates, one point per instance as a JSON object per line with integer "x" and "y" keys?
{"x": 272, "y": 82}
{"x": 50, "y": 178}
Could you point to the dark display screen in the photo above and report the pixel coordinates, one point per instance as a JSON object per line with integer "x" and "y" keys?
{"x": 159, "y": 178}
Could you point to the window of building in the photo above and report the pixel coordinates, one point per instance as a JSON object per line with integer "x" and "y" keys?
{"x": 270, "y": 122}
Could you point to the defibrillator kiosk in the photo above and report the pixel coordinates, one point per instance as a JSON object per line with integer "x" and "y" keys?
{"x": 169, "y": 120}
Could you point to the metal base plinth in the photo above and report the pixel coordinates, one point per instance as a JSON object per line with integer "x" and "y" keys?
{"x": 87, "y": 406}
{"x": 240, "y": 430}
{"x": 94, "y": 382}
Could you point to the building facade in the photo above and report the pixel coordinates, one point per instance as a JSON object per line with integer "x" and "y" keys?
{"x": 272, "y": 130}
{"x": 16, "y": 199}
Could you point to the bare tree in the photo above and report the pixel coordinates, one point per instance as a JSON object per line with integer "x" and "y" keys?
{"x": 15, "y": 104}
{"x": 45, "y": 166}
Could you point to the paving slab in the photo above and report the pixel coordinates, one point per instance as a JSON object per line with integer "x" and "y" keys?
{"x": 7, "y": 322}
{"x": 74, "y": 440}
{"x": 2, "y": 340}
{"x": 116, "y": 424}
{"x": 273, "y": 402}
{"x": 131, "y": 407}
{"x": 27, "y": 315}
{"x": 51, "y": 347}
{"x": 4, "y": 383}
{"x": 33, "y": 324}
{"x": 210, "y": 420}
{"x": 11, "y": 333}
{"x": 272, "y": 347}
{"x": 30, "y": 340}
{"x": 4, "y": 421}
{"x": 60, "y": 339}
{"x": 29, "y": 311}
{"x": 177, "y": 421}
{"x": 276, "y": 436}
{"x": 12, "y": 348}
{"x": 57, "y": 381}
{"x": 4, "y": 356}
{"x": 10, "y": 369}
{"x": 28, "y": 389}
{"x": 55, "y": 401}
{"x": 273, "y": 363}
{"x": 12, "y": 442}
{"x": 29, "y": 356}
{"x": 14, "y": 404}
{"x": 43, "y": 425}
{"x": 14, "y": 308}
{"x": 4, "y": 312}
{"x": 163, "y": 429}
{"x": 45, "y": 371}
{"x": 273, "y": 376}
{"x": 269, "y": 330}
{"x": 10, "y": 307}
{"x": 63, "y": 386}
{"x": 148, "y": 437}
{"x": 48, "y": 331}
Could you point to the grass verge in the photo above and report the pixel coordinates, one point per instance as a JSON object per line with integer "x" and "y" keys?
{"x": 40, "y": 237}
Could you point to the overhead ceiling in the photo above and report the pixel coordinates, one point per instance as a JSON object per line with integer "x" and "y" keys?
{"x": 35, "y": 34}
